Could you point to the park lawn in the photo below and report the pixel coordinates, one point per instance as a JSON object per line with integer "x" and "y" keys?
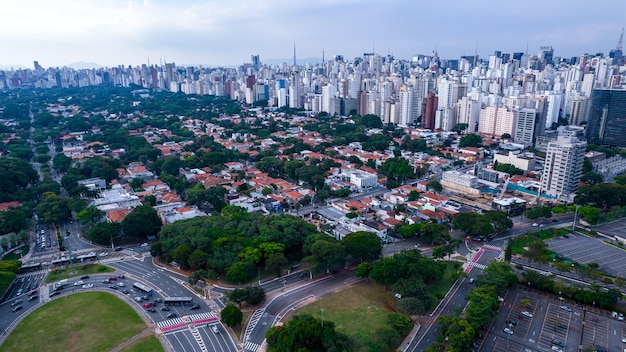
{"x": 147, "y": 344}
{"x": 60, "y": 274}
{"x": 357, "y": 311}
{"x": 439, "y": 288}
{"x": 14, "y": 256}
{"x": 89, "y": 321}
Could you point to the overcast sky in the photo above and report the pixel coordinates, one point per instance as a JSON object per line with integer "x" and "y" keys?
{"x": 227, "y": 32}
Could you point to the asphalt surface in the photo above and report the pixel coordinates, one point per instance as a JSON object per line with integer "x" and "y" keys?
{"x": 585, "y": 250}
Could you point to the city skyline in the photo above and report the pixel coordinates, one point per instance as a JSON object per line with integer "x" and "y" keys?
{"x": 224, "y": 33}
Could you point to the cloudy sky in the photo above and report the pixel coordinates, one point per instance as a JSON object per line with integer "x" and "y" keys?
{"x": 227, "y": 32}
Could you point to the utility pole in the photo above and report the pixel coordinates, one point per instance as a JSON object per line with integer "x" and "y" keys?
{"x": 322, "y": 310}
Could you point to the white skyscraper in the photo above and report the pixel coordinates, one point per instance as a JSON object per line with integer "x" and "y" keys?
{"x": 525, "y": 126}
{"x": 563, "y": 167}
{"x": 407, "y": 112}
{"x": 496, "y": 121}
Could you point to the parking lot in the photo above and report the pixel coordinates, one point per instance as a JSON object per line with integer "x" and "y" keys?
{"x": 550, "y": 324}
{"x": 616, "y": 228}
{"x": 586, "y": 250}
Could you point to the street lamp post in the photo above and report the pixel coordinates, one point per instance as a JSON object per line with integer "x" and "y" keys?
{"x": 322, "y": 310}
{"x": 574, "y": 223}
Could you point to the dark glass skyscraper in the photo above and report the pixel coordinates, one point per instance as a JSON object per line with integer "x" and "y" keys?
{"x": 607, "y": 117}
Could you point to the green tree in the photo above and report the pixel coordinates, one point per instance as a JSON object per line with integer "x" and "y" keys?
{"x": 197, "y": 259}
{"x": 397, "y": 170}
{"x": 471, "y": 140}
{"x": 181, "y": 255}
{"x": 473, "y": 224}
{"x": 90, "y": 215}
{"x": 53, "y": 209}
{"x": 275, "y": 263}
{"x": 61, "y": 163}
{"x": 362, "y": 245}
{"x": 305, "y": 333}
{"x": 240, "y": 272}
{"x": 238, "y": 296}
{"x": 231, "y": 316}
{"x": 434, "y": 186}
{"x": 326, "y": 254}
{"x": 256, "y": 295}
{"x": 363, "y": 270}
{"x": 104, "y": 233}
{"x": 142, "y": 222}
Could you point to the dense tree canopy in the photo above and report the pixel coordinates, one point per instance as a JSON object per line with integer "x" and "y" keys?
{"x": 471, "y": 140}
{"x": 142, "y": 222}
{"x": 305, "y": 333}
{"x": 362, "y": 245}
{"x": 397, "y": 170}
{"x": 15, "y": 176}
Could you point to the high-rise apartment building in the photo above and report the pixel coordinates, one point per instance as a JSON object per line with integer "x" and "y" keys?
{"x": 429, "y": 109}
{"x": 524, "y": 131}
{"x": 496, "y": 121}
{"x": 607, "y": 117}
{"x": 563, "y": 167}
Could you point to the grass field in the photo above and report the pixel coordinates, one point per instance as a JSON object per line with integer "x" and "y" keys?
{"x": 357, "y": 311}
{"x": 90, "y": 321}
{"x": 360, "y": 310}
{"x": 81, "y": 270}
{"x": 146, "y": 344}
{"x": 441, "y": 287}
{"x": 15, "y": 256}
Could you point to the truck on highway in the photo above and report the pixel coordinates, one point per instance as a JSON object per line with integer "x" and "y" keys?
{"x": 59, "y": 285}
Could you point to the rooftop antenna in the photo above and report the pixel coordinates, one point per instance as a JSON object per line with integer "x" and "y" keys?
{"x": 620, "y": 41}
{"x": 294, "y": 54}
{"x": 323, "y": 61}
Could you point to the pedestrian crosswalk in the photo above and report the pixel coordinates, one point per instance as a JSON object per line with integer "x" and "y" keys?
{"x": 492, "y": 247}
{"x": 115, "y": 259}
{"x": 200, "y": 316}
{"x": 32, "y": 273}
{"x": 478, "y": 265}
{"x": 170, "y": 322}
{"x": 251, "y": 346}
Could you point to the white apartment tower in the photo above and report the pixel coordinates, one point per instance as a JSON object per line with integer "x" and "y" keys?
{"x": 525, "y": 126}
{"x": 407, "y": 112}
{"x": 563, "y": 167}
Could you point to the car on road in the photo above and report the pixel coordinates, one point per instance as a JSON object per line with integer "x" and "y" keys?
{"x": 19, "y": 292}
{"x": 566, "y": 308}
{"x": 138, "y": 299}
{"x": 84, "y": 277}
{"x": 125, "y": 292}
{"x": 535, "y": 224}
{"x": 474, "y": 344}
{"x": 54, "y": 293}
{"x": 558, "y": 342}
{"x": 79, "y": 282}
{"x": 120, "y": 284}
{"x": 145, "y": 298}
{"x": 103, "y": 254}
{"x": 119, "y": 249}
{"x": 557, "y": 349}
{"x": 87, "y": 285}
{"x": 158, "y": 300}
{"x": 16, "y": 308}
{"x": 33, "y": 286}
{"x": 152, "y": 310}
{"x": 147, "y": 305}
{"x": 561, "y": 325}
{"x": 113, "y": 278}
{"x": 165, "y": 309}
{"x": 105, "y": 281}
{"x": 121, "y": 276}
{"x": 508, "y": 331}
{"x": 113, "y": 287}
{"x": 620, "y": 316}
{"x": 172, "y": 315}
{"x": 471, "y": 280}
{"x": 16, "y": 302}
{"x": 195, "y": 306}
{"x": 527, "y": 314}
{"x": 215, "y": 329}
{"x": 32, "y": 297}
